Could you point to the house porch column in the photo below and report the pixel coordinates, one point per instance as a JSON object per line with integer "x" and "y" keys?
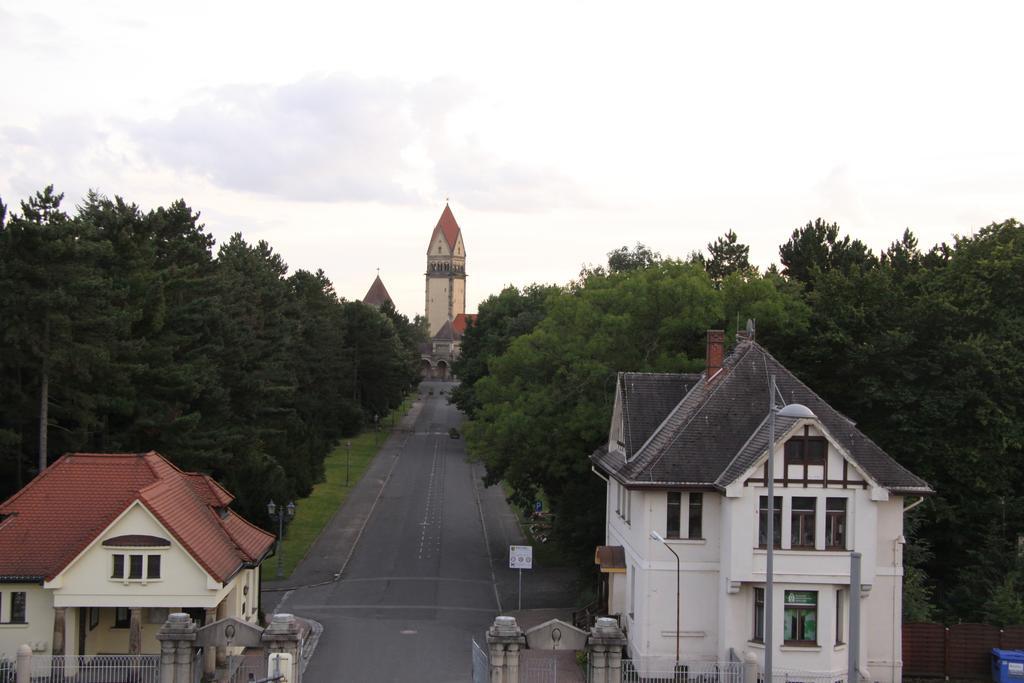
{"x": 210, "y": 653}
{"x": 59, "y": 629}
{"x": 135, "y": 632}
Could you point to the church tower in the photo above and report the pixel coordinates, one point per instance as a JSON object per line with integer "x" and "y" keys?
{"x": 446, "y": 273}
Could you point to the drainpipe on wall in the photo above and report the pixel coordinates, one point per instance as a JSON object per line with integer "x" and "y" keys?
{"x": 853, "y": 662}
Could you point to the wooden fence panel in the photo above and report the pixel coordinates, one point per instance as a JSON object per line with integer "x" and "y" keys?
{"x": 924, "y": 650}
{"x": 970, "y": 650}
{"x": 1013, "y": 638}
{"x": 961, "y": 651}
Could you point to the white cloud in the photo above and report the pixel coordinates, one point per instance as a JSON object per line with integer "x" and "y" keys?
{"x": 340, "y": 138}
{"x": 320, "y": 139}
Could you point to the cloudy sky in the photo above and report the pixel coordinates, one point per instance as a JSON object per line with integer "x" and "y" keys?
{"x": 559, "y": 130}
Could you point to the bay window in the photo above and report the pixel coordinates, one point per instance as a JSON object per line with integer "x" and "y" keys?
{"x": 802, "y": 523}
{"x": 835, "y": 524}
{"x": 762, "y": 527}
{"x": 801, "y": 618}
{"x": 759, "y": 615}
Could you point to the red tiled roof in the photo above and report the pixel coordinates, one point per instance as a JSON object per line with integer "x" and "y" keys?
{"x": 209, "y": 490}
{"x": 447, "y": 225}
{"x": 377, "y": 294}
{"x": 461, "y": 321}
{"x": 60, "y": 512}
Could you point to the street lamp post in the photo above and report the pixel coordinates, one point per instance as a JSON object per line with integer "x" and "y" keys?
{"x": 280, "y": 511}
{"x": 658, "y": 537}
{"x": 794, "y": 410}
{"x": 348, "y": 460}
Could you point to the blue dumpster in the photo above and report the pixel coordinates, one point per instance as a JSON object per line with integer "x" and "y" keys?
{"x": 1007, "y": 666}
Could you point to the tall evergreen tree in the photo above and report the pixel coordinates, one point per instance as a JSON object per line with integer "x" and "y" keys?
{"x": 726, "y": 255}
{"x": 816, "y": 248}
{"x": 61, "y": 314}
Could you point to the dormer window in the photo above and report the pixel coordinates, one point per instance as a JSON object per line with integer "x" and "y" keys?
{"x": 138, "y": 557}
{"x": 806, "y": 449}
{"x": 139, "y": 567}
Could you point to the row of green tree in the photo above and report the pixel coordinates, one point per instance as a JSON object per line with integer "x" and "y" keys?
{"x": 924, "y": 349}
{"x": 123, "y": 331}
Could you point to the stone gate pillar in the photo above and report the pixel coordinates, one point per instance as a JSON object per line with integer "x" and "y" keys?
{"x": 604, "y": 651}
{"x": 283, "y": 636}
{"x": 177, "y": 637}
{"x": 23, "y": 665}
{"x": 504, "y": 641}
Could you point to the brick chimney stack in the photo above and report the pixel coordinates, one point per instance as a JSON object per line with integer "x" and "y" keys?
{"x": 716, "y": 352}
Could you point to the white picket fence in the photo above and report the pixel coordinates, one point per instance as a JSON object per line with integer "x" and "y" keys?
{"x": 94, "y": 669}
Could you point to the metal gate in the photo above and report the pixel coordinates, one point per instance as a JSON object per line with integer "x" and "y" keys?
{"x": 657, "y": 671}
{"x": 537, "y": 669}
{"x": 481, "y": 664}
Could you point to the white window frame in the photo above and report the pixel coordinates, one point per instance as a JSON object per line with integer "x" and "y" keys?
{"x": 126, "y": 553}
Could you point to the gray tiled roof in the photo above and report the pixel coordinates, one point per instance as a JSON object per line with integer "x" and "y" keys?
{"x": 446, "y": 333}
{"x": 717, "y": 431}
{"x": 647, "y": 399}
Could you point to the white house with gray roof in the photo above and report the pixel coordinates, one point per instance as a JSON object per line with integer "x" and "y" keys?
{"x": 687, "y": 457}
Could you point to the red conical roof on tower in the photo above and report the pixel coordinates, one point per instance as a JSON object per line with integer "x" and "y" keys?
{"x": 447, "y": 225}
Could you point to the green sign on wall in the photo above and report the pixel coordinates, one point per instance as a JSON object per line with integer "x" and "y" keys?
{"x": 801, "y": 597}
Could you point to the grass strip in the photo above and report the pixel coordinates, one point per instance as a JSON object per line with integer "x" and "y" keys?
{"x": 313, "y": 512}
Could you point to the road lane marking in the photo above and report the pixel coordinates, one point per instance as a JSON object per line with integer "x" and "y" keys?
{"x": 483, "y": 525}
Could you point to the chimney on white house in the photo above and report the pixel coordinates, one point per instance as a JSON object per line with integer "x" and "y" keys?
{"x": 716, "y": 353}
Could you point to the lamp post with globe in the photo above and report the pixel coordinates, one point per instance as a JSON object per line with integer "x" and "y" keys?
{"x": 280, "y": 512}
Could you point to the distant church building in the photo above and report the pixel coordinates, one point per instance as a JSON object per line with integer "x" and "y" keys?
{"x": 445, "y": 296}
{"x": 446, "y": 273}
{"x": 377, "y": 295}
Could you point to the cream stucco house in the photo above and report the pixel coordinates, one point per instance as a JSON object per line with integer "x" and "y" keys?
{"x": 99, "y": 548}
{"x": 687, "y": 458}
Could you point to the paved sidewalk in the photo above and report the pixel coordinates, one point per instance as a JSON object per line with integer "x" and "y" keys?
{"x": 543, "y": 587}
{"x": 330, "y": 552}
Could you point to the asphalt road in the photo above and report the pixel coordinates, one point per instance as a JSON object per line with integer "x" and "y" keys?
{"x": 425, "y": 569}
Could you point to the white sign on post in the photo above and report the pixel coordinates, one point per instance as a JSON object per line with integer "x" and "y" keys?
{"x": 520, "y": 557}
